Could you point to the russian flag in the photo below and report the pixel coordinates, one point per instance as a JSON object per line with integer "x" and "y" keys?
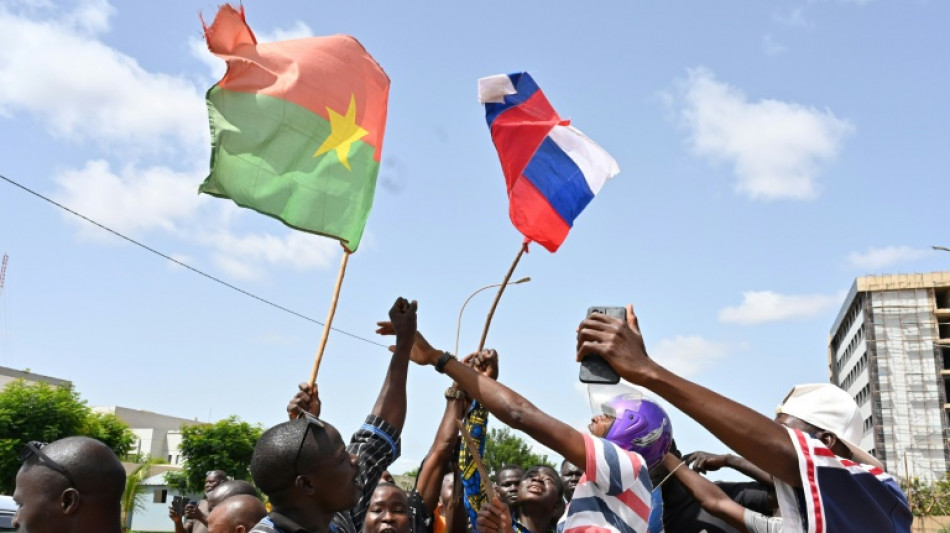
{"x": 552, "y": 170}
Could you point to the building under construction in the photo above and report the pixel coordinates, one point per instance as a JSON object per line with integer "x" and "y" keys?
{"x": 890, "y": 349}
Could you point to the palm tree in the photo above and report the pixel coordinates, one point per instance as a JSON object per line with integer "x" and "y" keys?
{"x": 132, "y": 495}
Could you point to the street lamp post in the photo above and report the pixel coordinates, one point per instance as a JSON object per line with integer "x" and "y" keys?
{"x": 458, "y": 327}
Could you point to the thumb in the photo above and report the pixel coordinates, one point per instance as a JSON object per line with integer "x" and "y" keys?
{"x": 632, "y": 321}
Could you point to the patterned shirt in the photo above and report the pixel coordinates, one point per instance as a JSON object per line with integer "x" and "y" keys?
{"x": 613, "y": 495}
{"x": 376, "y": 446}
{"x": 839, "y": 495}
{"x": 476, "y": 422}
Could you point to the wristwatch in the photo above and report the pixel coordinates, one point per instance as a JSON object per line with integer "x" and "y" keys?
{"x": 453, "y": 394}
{"x": 440, "y": 364}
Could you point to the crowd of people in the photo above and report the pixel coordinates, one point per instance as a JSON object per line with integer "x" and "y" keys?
{"x": 624, "y": 475}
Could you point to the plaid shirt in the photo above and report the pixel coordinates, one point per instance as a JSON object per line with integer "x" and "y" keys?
{"x": 376, "y": 445}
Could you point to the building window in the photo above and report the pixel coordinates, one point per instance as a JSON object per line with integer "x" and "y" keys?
{"x": 160, "y": 496}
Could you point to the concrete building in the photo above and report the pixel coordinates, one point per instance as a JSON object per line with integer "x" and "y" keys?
{"x": 890, "y": 349}
{"x": 156, "y": 435}
{"x": 8, "y": 374}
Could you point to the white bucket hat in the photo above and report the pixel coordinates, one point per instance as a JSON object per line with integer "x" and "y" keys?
{"x": 827, "y": 407}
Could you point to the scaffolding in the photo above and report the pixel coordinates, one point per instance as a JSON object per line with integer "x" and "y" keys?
{"x": 906, "y": 328}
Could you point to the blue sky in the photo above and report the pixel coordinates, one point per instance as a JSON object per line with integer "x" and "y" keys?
{"x": 769, "y": 153}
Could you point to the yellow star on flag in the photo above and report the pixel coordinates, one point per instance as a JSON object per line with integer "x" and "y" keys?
{"x": 344, "y": 131}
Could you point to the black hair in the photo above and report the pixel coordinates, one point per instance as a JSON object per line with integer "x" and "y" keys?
{"x": 93, "y": 466}
{"x": 272, "y": 464}
{"x": 510, "y": 466}
{"x": 388, "y": 484}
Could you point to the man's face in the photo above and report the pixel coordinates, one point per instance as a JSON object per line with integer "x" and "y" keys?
{"x": 38, "y": 502}
{"x": 570, "y": 475}
{"x": 213, "y": 480}
{"x": 508, "y": 481}
{"x": 600, "y": 425}
{"x": 388, "y": 511}
{"x": 540, "y": 484}
{"x": 334, "y": 471}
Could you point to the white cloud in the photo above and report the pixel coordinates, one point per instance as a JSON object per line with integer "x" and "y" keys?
{"x": 199, "y": 50}
{"x": 216, "y": 66}
{"x": 299, "y": 30}
{"x": 246, "y": 256}
{"x": 775, "y": 147}
{"x": 793, "y": 18}
{"x": 131, "y": 201}
{"x": 875, "y": 258}
{"x": 129, "y": 112}
{"x": 92, "y": 16}
{"x": 45, "y": 70}
{"x": 771, "y": 47}
{"x": 688, "y": 355}
{"x": 758, "y": 307}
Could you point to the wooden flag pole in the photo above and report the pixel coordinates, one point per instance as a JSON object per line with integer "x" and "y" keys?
{"x": 477, "y": 458}
{"x": 329, "y": 322}
{"x": 491, "y": 312}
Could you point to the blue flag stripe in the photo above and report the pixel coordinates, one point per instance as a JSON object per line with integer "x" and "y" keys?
{"x": 526, "y": 88}
{"x": 560, "y": 180}
{"x": 597, "y": 505}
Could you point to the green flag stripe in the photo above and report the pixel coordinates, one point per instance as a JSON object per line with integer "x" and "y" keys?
{"x": 262, "y": 158}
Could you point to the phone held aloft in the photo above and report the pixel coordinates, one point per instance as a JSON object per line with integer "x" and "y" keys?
{"x": 178, "y": 504}
{"x": 594, "y": 368}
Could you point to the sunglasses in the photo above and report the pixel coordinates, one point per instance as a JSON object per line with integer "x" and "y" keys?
{"x": 35, "y": 449}
{"x": 312, "y": 421}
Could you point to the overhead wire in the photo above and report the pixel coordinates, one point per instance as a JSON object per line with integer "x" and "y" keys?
{"x": 180, "y": 263}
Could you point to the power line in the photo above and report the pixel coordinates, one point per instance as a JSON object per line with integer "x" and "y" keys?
{"x": 189, "y": 267}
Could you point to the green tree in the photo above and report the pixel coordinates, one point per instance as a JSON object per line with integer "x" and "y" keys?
{"x": 928, "y": 498}
{"x": 225, "y": 445}
{"x": 503, "y": 447}
{"x": 132, "y": 496}
{"x": 43, "y": 412}
{"x": 111, "y": 430}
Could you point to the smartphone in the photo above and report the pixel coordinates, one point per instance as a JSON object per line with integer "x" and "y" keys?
{"x": 594, "y": 368}
{"x": 178, "y": 504}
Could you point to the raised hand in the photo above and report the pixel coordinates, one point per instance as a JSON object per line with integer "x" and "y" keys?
{"x": 402, "y": 317}
{"x": 703, "y": 462}
{"x": 619, "y": 342}
{"x": 306, "y": 400}
{"x": 484, "y": 362}
{"x": 494, "y": 518}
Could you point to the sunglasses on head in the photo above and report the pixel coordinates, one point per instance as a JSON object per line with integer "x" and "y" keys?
{"x": 34, "y": 448}
{"x": 311, "y": 422}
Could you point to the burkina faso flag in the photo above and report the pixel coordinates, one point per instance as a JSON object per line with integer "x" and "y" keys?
{"x": 297, "y": 127}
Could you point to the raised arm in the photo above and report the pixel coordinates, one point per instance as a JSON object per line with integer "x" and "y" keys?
{"x": 762, "y": 441}
{"x": 703, "y": 462}
{"x": 710, "y": 497}
{"x": 506, "y": 404}
{"x": 391, "y": 402}
{"x": 434, "y": 468}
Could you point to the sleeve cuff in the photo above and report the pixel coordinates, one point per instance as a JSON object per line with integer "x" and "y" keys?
{"x": 386, "y": 431}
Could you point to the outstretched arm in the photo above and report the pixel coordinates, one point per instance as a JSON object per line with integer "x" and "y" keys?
{"x": 710, "y": 497}
{"x": 391, "y": 402}
{"x": 506, "y": 404}
{"x": 703, "y": 462}
{"x": 762, "y": 441}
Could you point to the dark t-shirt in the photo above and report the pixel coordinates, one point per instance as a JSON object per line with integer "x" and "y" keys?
{"x": 683, "y": 514}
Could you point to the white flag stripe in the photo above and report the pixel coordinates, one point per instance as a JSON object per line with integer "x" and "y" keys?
{"x": 492, "y": 89}
{"x": 595, "y": 163}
